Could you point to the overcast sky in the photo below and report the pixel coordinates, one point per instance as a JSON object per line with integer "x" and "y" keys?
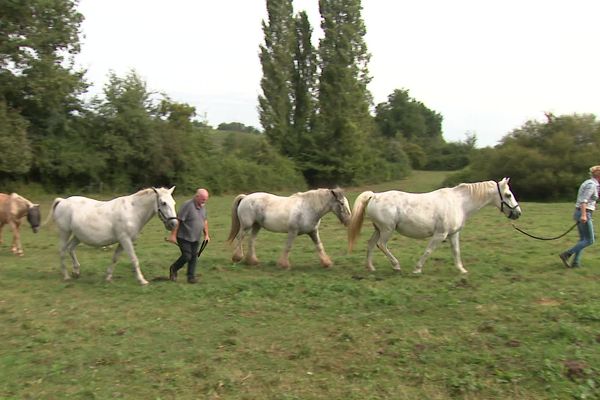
{"x": 487, "y": 67}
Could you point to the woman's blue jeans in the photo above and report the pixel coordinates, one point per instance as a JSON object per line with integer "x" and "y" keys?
{"x": 586, "y": 235}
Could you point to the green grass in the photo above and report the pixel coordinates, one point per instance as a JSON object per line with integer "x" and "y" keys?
{"x": 517, "y": 326}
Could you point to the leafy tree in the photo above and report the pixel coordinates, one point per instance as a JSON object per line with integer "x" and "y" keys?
{"x": 545, "y": 160}
{"x": 38, "y": 39}
{"x": 275, "y": 105}
{"x": 236, "y": 127}
{"x": 129, "y": 124}
{"x": 16, "y": 151}
{"x": 304, "y": 84}
{"x": 404, "y": 116}
{"x": 343, "y": 124}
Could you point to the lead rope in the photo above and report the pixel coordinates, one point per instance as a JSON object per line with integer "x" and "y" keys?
{"x": 543, "y": 238}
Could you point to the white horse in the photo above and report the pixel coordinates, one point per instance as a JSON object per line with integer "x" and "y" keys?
{"x": 298, "y": 214}
{"x": 101, "y": 223}
{"x": 439, "y": 214}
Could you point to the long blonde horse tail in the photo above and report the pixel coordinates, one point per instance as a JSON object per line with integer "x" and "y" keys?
{"x": 235, "y": 219}
{"x": 51, "y": 212}
{"x": 358, "y": 215}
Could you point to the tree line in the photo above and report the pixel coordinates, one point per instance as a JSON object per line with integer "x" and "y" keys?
{"x": 320, "y": 126}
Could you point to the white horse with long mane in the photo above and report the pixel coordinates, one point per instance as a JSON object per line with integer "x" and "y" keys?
{"x": 295, "y": 215}
{"x": 439, "y": 214}
{"x": 102, "y": 223}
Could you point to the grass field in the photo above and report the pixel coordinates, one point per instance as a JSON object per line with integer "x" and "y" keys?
{"x": 518, "y": 326}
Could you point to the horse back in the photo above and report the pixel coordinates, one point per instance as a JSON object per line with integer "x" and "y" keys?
{"x": 417, "y": 215}
{"x": 268, "y": 210}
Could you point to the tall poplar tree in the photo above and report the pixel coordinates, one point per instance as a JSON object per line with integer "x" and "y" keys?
{"x": 304, "y": 78}
{"x": 276, "y": 57}
{"x": 344, "y": 123}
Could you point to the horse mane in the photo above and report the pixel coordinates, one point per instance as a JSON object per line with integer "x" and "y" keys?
{"x": 478, "y": 190}
{"x": 142, "y": 192}
{"x": 314, "y": 195}
{"x": 18, "y": 197}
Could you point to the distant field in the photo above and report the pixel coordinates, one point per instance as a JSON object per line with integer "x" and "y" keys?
{"x": 518, "y": 326}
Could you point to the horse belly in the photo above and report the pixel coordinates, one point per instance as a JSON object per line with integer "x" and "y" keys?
{"x": 94, "y": 231}
{"x": 276, "y": 223}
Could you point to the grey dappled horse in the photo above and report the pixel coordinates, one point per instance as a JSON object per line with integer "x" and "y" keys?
{"x": 295, "y": 215}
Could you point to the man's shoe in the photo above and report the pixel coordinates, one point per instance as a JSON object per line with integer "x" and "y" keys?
{"x": 192, "y": 280}
{"x": 564, "y": 257}
{"x": 172, "y": 274}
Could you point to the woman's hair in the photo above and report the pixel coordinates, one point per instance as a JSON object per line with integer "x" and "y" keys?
{"x": 595, "y": 170}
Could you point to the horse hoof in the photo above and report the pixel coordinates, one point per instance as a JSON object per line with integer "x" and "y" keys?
{"x": 326, "y": 263}
{"x": 236, "y": 258}
{"x": 417, "y": 272}
{"x": 144, "y": 282}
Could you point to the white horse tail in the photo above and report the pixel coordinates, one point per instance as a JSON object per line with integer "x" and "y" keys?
{"x": 358, "y": 215}
{"x": 235, "y": 219}
{"x": 51, "y": 212}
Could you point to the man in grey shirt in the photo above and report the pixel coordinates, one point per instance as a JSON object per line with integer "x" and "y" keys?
{"x": 192, "y": 222}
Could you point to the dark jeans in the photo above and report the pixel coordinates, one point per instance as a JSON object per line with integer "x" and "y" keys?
{"x": 189, "y": 255}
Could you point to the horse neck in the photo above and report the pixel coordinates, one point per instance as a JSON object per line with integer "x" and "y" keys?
{"x": 21, "y": 203}
{"x": 320, "y": 201}
{"x": 145, "y": 201}
{"x": 477, "y": 195}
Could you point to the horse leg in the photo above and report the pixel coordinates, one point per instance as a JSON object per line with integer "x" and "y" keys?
{"x": 455, "y": 244}
{"x": 16, "y": 242}
{"x": 1, "y": 226}
{"x": 127, "y": 245}
{"x": 116, "y": 255}
{"x": 63, "y": 242}
{"x": 325, "y": 260}
{"x": 71, "y": 249}
{"x": 433, "y": 243}
{"x": 238, "y": 252}
{"x": 370, "y": 245}
{"x": 251, "y": 258}
{"x": 284, "y": 260}
{"x": 384, "y": 236}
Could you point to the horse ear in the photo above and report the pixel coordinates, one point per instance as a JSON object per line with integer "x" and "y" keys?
{"x": 171, "y": 190}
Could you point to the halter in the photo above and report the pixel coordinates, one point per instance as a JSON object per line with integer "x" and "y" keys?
{"x": 502, "y": 202}
{"x": 161, "y": 215}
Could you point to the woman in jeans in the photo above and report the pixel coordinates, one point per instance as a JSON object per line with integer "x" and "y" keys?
{"x": 584, "y": 207}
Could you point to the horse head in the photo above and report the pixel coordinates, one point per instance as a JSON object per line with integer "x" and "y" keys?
{"x": 34, "y": 217}
{"x": 165, "y": 207}
{"x": 506, "y": 201}
{"x": 341, "y": 207}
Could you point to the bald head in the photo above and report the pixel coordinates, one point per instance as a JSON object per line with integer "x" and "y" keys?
{"x": 201, "y": 196}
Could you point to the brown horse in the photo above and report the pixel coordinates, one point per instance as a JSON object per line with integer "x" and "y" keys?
{"x": 12, "y": 210}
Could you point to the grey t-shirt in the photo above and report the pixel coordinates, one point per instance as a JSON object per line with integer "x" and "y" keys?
{"x": 191, "y": 221}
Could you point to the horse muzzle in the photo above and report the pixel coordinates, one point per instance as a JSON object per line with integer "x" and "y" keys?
{"x": 170, "y": 224}
{"x": 514, "y": 214}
